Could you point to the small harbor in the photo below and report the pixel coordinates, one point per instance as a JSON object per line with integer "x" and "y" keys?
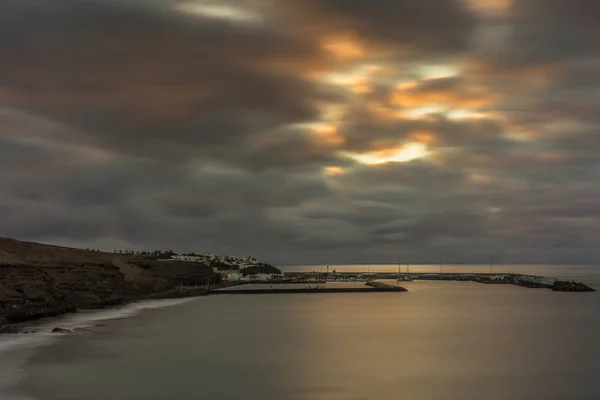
{"x": 373, "y": 282}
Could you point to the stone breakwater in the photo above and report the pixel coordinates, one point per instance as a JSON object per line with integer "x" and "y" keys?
{"x": 313, "y": 290}
{"x": 571, "y": 286}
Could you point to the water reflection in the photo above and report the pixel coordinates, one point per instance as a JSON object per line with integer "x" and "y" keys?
{"x": 441, "y": 340}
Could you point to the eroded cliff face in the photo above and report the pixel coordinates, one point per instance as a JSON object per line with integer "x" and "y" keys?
{"x": 30, "y": 292}
{"x": 39, "y": 281}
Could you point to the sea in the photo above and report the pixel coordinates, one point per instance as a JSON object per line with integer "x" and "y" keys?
{"x": 440, "y": 340}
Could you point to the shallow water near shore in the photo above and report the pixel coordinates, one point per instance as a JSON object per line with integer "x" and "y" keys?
{"x": 17, "y": 350}
{"x": 440, "y": 340}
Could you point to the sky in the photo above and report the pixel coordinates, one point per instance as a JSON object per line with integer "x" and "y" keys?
{"x": 304, "y": 131}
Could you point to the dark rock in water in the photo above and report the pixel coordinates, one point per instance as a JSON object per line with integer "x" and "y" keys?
{"x": 571, "y": 286}
{"x": 79, "y": 329}
{"x": 61, "y": 330}
{"x": 99, "y": 325}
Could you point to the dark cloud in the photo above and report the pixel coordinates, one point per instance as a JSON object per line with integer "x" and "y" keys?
{"x": 416, "y": 175}
{"x": 438, "y": 26}
{"x": 133, "y": 124}
{"x": 555, "y": 30}
{"x": 543, "y": 37}
{"x": 155, "y": 79}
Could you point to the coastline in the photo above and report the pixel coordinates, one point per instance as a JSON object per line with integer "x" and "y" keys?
{"x": 39, "y": 280}
{"x": 17, "y": 349}
{"x": 31, "y": 326}
{"x": 129, "y": 294}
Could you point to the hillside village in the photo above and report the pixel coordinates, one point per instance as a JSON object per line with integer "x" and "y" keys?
{"x": 227, "y": 262}
{"x": 232, "y": 268}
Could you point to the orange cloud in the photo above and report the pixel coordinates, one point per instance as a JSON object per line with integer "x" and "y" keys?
{"x": 358, "y": 79}
{"x": 381, "y": 112}
{"x": 424, "y": 137}
{"x": 326, "y": 133}
{"x": 452, "y": 95}
{"x": 407, "y": 152}
{"x": 343, "y": 47}
{"x": 481, "y": 179}
{"x": 334, "y": 170}
{"x": 490, "y": 7}
{"x": 530, "y": 74}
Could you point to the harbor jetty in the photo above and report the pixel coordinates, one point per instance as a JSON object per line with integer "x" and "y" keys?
{"x": 373, "y": 279}
{"x": 382, "y": 285}
{"x": 319, "y": 282}
{"x": 270, "y": 288}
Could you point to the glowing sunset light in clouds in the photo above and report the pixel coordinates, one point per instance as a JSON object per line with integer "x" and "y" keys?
{"x": 326, "y": 133}
{"x": 343, "y": 47}
{"x": 423, "y": 137}
{"x": 358, "y": 79}
{"x": 218, "y": 11}
{"x": 408, "y": 152}
{"x": 459, "y": 114}
{"x": 437, "y": 71}
{"x": 334, "y": 170}
{"x": 490, "y": 7}
{"x": 420, "y": 112}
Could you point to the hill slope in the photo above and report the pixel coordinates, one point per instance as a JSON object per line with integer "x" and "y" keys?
{"x": 39, "y": 280}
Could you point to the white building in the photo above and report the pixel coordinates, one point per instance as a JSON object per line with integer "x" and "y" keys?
{"x": 223, "y": 261}
{"x": 257, "y": 278}
{"x": 234, "y": 276}
{"x": 187, "y": 258}
{"x": 264, "y": 277}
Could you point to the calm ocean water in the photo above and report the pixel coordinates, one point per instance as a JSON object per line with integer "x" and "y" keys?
{"x": 440, "y": 340}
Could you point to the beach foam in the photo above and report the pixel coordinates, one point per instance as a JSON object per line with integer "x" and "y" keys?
{"x": 17, "y": 349}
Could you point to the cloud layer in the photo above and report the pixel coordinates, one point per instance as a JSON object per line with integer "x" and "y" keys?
{"x": 304, "y": 131}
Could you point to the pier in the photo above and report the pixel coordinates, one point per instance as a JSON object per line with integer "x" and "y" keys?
{"x": 369, "y": 288}
{"x": 382, "y": 285}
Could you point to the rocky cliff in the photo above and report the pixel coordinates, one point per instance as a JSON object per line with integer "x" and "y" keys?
{"x": 38, "y": 280}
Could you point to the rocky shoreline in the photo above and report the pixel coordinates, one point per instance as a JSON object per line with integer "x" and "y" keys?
{"x": 39, "y": 281}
